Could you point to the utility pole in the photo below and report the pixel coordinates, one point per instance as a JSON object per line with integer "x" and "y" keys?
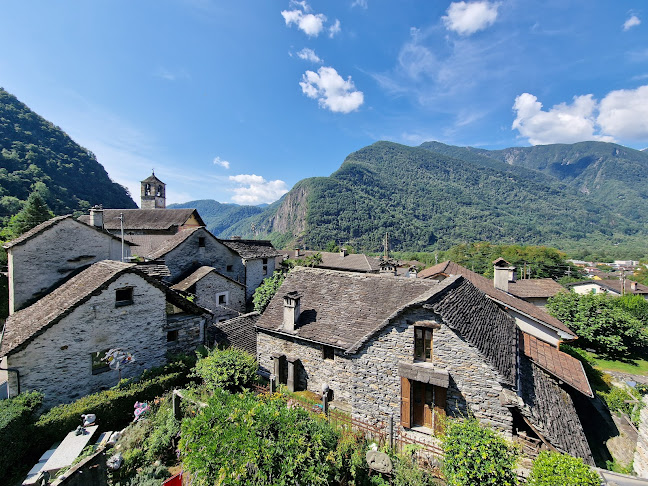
{"x": 623, "y": 279}
{"x": 386, "y": 246}
{"x": 121, "y": 224}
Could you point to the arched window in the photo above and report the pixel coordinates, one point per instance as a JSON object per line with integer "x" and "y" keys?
{"x": 159, "y": 191}
{"x": 147, "y": 190}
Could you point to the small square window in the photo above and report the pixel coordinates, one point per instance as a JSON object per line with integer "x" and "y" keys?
{"x": 172, "y": 336}
{"x": 223, "y": 299}
{"x": 98, "y": 365}
{"x": 328, "y": 352}
{"x": 230, "y": 268}
{"x": 201, "y": 242}
{"x": 265, "y": 261}
{"x": 123, "y": 296}
{"x": 423, "y": 343}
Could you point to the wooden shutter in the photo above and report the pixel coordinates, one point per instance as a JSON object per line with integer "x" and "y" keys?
{"x": 406, "y": 402}
{"x": 440, "y": 394}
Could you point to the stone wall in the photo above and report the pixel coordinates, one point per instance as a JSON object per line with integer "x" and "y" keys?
{"x": 189, "y": 256}
{"x": 51, "y": 256}
{"x": 369, "y": 384}
{"x": 255, "y": 272}
{"x": 58, "y": 361}
{"x": 211, "y": 285}
{"x": 641, "y": 453}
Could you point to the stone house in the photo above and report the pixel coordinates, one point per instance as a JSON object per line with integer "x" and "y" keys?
{"x": 56, "y": 344}
{"x": 258, "y": 258}
{"x": 612, "y": 287}
{"x": 222, "y": 295}
{"x": 528, "y": 317}
{"x": 417, "y": 350}
{"x": 342, "y": 260}
{"x": 49, "y": 253}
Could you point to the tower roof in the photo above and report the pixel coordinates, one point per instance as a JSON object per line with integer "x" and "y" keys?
{"x": 152, "y": 178}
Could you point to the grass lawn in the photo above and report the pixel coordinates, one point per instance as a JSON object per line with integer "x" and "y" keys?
{"x": 635, "y": 367}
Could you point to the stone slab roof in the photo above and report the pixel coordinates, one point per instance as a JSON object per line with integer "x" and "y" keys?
{"x": 21, "y": 327}
{"x": 354, "y": 262}
{"x": 252, "y": 249}
{"x": 198, "y": 275}
{"x": 41, "y": 228}
{"x": 152, "y": 178}
{"x": 239, "y": 332}
{"x": 171, "y": 243}
{"x": 614, "y": 285}
{"x": 154, "y": 269}
{"x": 535, "y": 287}
{"x": 146, "y": 219}
{"x": 551, "y": 411}
{"x": 449, "y": 268}
{"x": 564, "y": 367}
{"x": 144, "y": 245}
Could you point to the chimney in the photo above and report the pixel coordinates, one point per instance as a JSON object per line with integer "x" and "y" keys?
{"x": 633, "y": 286}
{"x": 96, "y": 217}
{"x": 235, "y": 237}
{"x": 412, "y": 272}
{"x": 343, "y": 252}
{"x": 291, "y": 310}
{"x": 503, "y": 274}
{"x": 298, "y": 252}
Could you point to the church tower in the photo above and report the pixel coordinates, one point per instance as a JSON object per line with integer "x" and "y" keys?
{"x": 153, "y": 193}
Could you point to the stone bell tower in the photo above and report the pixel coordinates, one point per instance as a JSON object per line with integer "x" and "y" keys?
{"x": 153, "y": 193}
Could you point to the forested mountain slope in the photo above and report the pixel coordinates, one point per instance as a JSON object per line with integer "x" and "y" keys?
{"x": 218, "y": 216}
{"x": 34, "y": 150}
{"x": 428, "y": 200}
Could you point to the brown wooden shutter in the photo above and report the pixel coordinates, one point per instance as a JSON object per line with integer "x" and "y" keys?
{"x": 406, "y": 402}
{"x": 440, "y": 395}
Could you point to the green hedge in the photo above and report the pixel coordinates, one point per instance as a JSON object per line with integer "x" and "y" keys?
{"x": 16, "y": 418}
{"x": 552, "y": 468}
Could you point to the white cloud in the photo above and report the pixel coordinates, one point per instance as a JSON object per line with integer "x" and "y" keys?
{"x": 311, "y": 24}
{"x": 253, "y": 189}
{"x": 169, "y": 75}
{"x": 308, "y": 55}
{"x": 360, "y": 3}
{"x": 221, "y": 162}
{"x": 631, "y": 22}
{"x": 624, "y": 114}
{"x": 331, "y": 90}
{"x": 334, "y": 29}
{"x": 467, "y": 18}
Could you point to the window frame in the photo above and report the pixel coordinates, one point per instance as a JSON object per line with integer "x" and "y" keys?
{"x": 424, "y": 347}
{"x": 222, "y": 294}
{"x": 122, "y": 302}
{"x": 170, "y": 333}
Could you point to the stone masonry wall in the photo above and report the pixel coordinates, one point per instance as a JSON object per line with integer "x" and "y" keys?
{"x": 58, "y": 362}
{"x": 189, "y": 256}
{"x": 474, "y": 384}
{"x": 255, "y": 273}
{"x": 314, "y": 369}
{"x": 51, "y": 256}
{"x": 641, "y": 453}
{"x": 208, "y": 288}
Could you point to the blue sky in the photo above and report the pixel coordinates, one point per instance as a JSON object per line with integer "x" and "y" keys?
{"x": 237, "y": 101}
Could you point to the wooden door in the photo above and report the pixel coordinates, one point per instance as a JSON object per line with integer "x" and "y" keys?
{"x": 418, "y": 406}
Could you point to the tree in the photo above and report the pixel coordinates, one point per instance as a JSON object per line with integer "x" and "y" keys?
{"x": 552, "y": 468}
{"x": 599, "y": 322}
{"x": 230, "y": 369}
{"x": 32, "y": 214}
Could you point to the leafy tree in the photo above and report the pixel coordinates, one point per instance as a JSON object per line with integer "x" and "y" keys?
{"x": 32, "y": 214}
{"x": 553, "y": 469}
{"x": 636, "y": 305}
{"x": 264, "y": 292}
{"x": 599, "y": 323}
{"x": 476, "y": 455}
{"x": 230, "y": 369}
{"x": 641, "y": 273}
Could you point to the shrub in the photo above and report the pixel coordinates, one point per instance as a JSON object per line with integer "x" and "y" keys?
{"x": 476, "y": 455}
{"x": 239, "y": 439}
{"x": 616, "y": 399}
{"x": 552, "y": 468}
{"x": 16, "y": 432}
{"x": 264, "y": 292}
{"x": 231, "y": 369}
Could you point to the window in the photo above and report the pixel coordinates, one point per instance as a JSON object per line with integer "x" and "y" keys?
{"x": 230, "y": 268}
{"x": 97, "y": 363}
{"x": 423, "y": 343}
{"x": 223, "y": 298}
{"x": 123, "y": 296}
{"x": 147, "y": 190}
{"x": 201, "y": 242}
{"x": 328, "y": 352}
{"x": 265, "y": 269}
{"x": 172, "y": 336}
{"x": 265, "y": 261}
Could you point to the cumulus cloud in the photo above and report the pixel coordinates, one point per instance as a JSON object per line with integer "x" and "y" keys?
{"x": 624, "y": 114}
{"x": 466, "y": 18}
{"x": 331, "y": 90}
{"x": 334, "y": 29}
{"x": 311, "y": 24}
{"x": 308, "y": 55}
{"x": 221, "y": 162}
{"x": 631, "y": 22}
{"x": 253, "y": 189}
{"x": 621, "y": 114}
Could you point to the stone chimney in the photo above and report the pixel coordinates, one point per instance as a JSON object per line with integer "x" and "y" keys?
{"x": 633, "y": 286}
{"x": 343, "y": 252}
{"x": 298, "y": 252}
{"x": 412, "y": 272}
{"x": 503, "y": 273}
{"x": 292, "y": 310}
{"x": 96, "y": 217}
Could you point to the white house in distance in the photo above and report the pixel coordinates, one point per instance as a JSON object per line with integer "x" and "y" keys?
{"x": 612, "y": 287}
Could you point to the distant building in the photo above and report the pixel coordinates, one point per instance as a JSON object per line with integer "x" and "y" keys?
{"x": 153, "y": 193}
{"x": 610, "y": 286}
